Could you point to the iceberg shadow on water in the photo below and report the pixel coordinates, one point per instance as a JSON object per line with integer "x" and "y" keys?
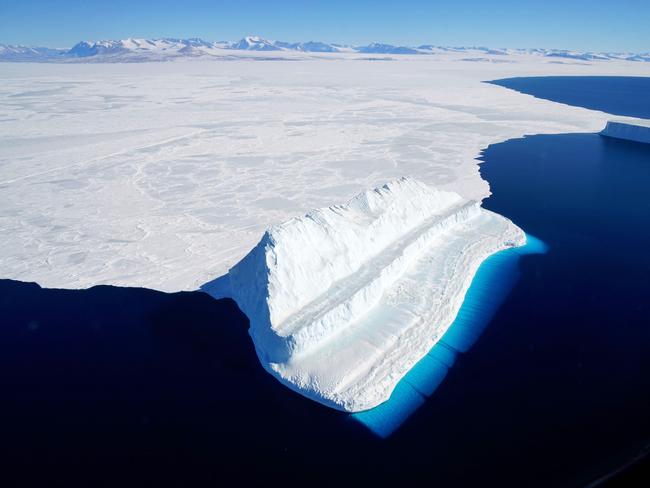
{"x": 492, "y": 283}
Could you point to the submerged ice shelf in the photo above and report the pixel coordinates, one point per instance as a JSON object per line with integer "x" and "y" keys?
{"x": 345, "y": 300}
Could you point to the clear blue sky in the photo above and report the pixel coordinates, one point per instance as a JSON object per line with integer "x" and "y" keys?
{"x": 574, "y": 24}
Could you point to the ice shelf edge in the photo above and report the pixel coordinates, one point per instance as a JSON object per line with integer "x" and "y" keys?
{"x": 629, "y": 131}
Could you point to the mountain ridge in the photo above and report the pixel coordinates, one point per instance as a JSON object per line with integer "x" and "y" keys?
{"x": 168, "y": 48}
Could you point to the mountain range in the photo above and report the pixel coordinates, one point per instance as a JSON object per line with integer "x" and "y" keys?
{"x": 141, "y": 50}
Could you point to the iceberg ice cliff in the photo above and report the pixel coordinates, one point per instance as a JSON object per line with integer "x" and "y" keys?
{"x": 343, "y": 301}
{"x": 637, "y": 130}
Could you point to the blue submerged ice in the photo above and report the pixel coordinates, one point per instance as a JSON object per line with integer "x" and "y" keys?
{"x": 492, "y": 283}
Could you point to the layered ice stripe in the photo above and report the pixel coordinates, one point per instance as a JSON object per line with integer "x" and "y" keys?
{"x": 492, "y": 283}
{"x": 326, "y": 268}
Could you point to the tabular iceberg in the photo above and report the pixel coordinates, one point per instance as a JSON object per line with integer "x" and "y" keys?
{"x": 637, "y": 131}
{"x": 345, "y": 300}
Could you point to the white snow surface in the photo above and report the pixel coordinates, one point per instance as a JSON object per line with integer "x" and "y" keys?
{"x": 637, "y": 131}
{"x": 164, "y": 175}
{"x": 344, "y": 301}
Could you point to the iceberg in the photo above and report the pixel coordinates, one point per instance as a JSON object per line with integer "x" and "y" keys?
{"x": 344, "y": 301}
{"x": 637, "y": 131}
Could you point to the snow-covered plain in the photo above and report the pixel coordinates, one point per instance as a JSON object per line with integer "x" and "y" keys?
{"x": 164, "y": 175}
{"x": 345, "y": 300}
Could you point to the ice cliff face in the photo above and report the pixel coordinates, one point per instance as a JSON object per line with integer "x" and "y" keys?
{"x": 638, "y": 131}
{"x": 345, "y": 300}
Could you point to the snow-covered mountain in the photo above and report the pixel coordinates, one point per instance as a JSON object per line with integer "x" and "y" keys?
{"x": 85, "y": 48}
{"x": 141, "y": 50}
{"x": 144, "y": 49}
{"x": 255, "y": 43}
{"x": 312, "y": 47}
{"x": 23, "y": 53}
{"x": 378, "y": 48}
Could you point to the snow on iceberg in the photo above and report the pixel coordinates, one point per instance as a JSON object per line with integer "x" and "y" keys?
{"x": 343, "y": 301}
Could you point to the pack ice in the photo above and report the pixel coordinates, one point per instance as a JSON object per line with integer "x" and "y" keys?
{"x": 343, "y": 301}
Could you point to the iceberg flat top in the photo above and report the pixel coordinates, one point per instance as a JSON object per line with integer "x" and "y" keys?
{"x": 344, "y": 301}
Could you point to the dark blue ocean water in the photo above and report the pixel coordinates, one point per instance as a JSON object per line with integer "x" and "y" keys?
{"x": 115, "y": 385}
{"x": 618, "y": 95}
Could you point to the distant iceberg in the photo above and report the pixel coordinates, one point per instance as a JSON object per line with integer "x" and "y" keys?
{"x": 637, "y": 131}
{"x": 345, "y": 300}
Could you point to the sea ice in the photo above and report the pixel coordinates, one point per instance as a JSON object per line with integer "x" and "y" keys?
{"x": 343, "y": 301}
{"x": 164, "y": 175}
